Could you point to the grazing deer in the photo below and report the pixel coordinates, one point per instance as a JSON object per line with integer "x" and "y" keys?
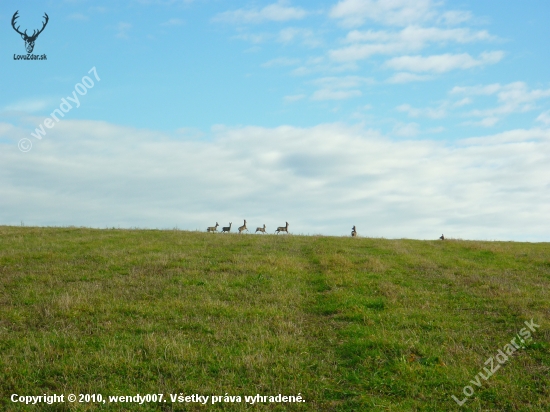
{"x": 243, "y": 227}
{"x": 260, "y": 229}
{"x": 282, "y": 229}
{"x": 226, "y": 228}
{"x": 353, "y": 232}
{"x": 212, "y": 228}
{"x": 442, "y": 237}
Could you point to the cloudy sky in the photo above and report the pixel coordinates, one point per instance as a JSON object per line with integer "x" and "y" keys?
{"x": 406, "y": 118}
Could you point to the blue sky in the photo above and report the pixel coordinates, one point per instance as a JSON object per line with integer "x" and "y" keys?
{"x": 405, "y": 118}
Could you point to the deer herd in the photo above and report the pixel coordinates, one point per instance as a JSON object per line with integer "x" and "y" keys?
{"x": 242, "y": 228}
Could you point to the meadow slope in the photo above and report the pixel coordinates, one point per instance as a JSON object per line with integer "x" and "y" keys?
{"x": 350, "y": 324}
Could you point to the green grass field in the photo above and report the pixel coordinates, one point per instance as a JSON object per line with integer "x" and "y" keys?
{"x": 350, "y": 324}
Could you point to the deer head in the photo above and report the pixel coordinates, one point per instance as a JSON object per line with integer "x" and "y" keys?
{"x": 29, "y": 40}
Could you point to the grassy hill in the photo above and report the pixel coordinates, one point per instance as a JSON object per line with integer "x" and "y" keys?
{"x": 350, "y": 324}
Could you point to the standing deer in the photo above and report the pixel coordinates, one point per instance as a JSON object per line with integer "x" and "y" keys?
{"x": 353, "y": 232}
{"x": 29, "y": 40}
{"x": 442, "y": 237}
{"x": 260, "y": 229}
{"x": 226, "y": 228}
{"x": 243, "y": 228}
{"x": 282, "y": 229}
{"x": 212, "y": 228}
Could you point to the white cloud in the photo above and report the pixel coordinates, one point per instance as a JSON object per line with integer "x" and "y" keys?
{"x": 165, "y": 2}
{"x": 322, "y": 179}
{"x": 517, "y": 136}
{"x": 294, "y": 98}
{"x": 486, "y": 122}
{"x": 544, "y": 118}
{"x": 343, "y": 82}
{"x": 489, "y": 121}
{"x": 354, "y": 13}
{"x": 301, "y": 71}
{"x": 6, "y": 129}
{"x": 281, "y": 61}
{"x": 410, "y": 39}
{"x": 406, "y": 129}
{"x": 477, "y": 90}
{"x": 517, "y": 95}
{"x": 29, "y": 105}
{"x": 190, "y": 133}
{"x": 404, "y": 77}
{"x": 255, "y": 38}
{"x": 438, "y": 129}
{"x": 323, "y": 65}
{"x": 362, "y": 51}
{"x": 253, "y": 49}
{"x": 339, "y": 88}
{"x": 432, "y": 113}
{"x": 78, "y": 16}
{"x": 462, "y": 102}
{"x": 305, "y": 36}
{"x": 444, "y": 62}
{"x": 512, "y": 98}
{"x": 417, "y": 37}
{"x": 98, "y": 9}
{"x": 173, "y": 22}
{"x": 123, "y": 29}
{"x": 454, "y": 17}
{"x": 274, "y": 12}
{"x": 329, "y": 94}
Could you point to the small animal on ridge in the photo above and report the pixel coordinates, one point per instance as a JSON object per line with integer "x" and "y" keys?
{"x": 282, "y": 229}
{"x": 212, "y": 228}
{"x": 243, "y": 227}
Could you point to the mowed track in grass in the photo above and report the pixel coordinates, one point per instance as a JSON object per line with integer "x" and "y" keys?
{"x": 350, "y": 324}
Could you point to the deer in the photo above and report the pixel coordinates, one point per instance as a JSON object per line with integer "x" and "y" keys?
{"x": 353, "y": 232}
{"x": 29, "y": 40}
{"x": 212, "y": 228}
{"x": 282, "y": 228}
{"x": 226, "y": 228}
{"x": 260, "y": 229}
{"x": 442, "y": 237}
{"x": 243, "y": 228}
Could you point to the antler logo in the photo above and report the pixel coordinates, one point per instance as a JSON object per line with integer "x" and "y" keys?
{"x": 29, "y": 40}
